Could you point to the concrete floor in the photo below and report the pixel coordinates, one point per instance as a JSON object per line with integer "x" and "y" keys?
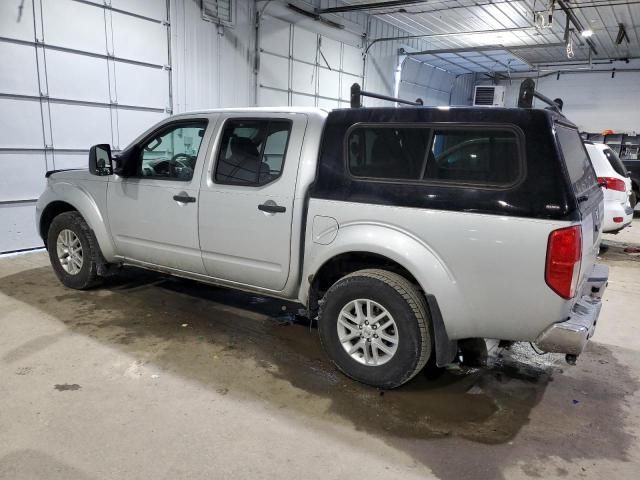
{"x": 160, "y": 378}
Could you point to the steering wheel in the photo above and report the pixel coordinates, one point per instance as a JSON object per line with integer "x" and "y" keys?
{"x": 179, "y": 155}
{"x": 180, "y": 168}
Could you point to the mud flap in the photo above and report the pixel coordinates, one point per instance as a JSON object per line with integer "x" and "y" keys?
{"x": 445, "y": 348}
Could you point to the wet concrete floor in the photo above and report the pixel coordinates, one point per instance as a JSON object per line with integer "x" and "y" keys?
{"x": 523, "y": 415}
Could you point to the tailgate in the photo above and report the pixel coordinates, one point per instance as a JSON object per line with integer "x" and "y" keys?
{"x": 588, "y": 194}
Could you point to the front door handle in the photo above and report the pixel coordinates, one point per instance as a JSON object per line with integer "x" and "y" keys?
{"x": 271, "y": 207}
{"x": 184, "y": 198}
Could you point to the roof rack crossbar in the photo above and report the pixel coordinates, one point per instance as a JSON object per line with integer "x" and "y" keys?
{"x": 357, "y": 93}
{"x": 528, "y": 92}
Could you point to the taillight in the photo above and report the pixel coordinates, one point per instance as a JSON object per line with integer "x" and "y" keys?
{"x": 612, "y": 183}
{"x": 564, "y": 252}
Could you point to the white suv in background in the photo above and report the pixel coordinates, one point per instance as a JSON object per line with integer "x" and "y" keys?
{"x": 612, "y": 177}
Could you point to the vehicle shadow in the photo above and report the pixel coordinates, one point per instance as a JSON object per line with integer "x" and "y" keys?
{"x": 257, "y": 348}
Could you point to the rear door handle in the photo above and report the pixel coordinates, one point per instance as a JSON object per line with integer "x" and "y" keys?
{"x": 184, "y": 198}
{"x": 271, "y": 207}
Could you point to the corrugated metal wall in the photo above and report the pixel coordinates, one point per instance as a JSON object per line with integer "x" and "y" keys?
{"x": 212, "y": 64}
{"x": 462, "y": 91}
{"x": 593, "y": 101}
{"x": 420, "y": 80}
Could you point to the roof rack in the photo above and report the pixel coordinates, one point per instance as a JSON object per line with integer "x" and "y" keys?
{"x": 528, "y": 92}
{"x": 357, "y": 93}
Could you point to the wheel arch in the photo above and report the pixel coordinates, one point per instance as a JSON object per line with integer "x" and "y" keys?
{"x": 66, "y": 197}
{"x": 391, "y": 250}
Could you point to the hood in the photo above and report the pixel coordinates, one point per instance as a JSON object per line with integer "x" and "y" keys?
{"x": 74, "y": 175}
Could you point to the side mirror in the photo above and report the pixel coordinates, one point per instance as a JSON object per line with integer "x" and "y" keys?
{"x": 100, "y": 160}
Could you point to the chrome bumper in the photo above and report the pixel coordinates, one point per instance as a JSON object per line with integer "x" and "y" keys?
{"x": 572, "y": 335}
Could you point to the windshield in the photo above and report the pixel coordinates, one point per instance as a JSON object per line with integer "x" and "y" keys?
{"x": 576, "y": 158}
{"x": 615, "y": 162}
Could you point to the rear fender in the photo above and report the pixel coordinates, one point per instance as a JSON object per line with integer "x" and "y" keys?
{"x": 399, "y": 246}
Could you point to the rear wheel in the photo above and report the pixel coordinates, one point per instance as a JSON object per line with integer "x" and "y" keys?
{"x": 73, "y": 251}
{"x": 374, "y": 326}
{"x": 633, "y": 199}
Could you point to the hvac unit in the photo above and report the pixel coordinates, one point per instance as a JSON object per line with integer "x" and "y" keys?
{"x": 488, "y": 96}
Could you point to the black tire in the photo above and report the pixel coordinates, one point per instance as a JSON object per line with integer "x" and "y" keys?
{"x": 633, "y": 199}
{"x": 87, "y": 276}
{"x": 409, "y": 310}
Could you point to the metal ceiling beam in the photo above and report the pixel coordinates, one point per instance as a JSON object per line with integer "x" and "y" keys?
{"x": 483, "y": 49}
{"x": 367, "y": 6}
{"x": 576, "y": 23}
{"x": 448, "y": 34}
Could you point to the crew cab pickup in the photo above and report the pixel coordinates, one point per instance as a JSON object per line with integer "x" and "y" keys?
{"x": 402, "y": 230}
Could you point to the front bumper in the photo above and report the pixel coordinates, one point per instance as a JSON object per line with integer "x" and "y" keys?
{"x": 572, "y": 335}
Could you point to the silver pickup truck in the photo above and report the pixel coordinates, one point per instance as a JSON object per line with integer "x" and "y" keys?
{"x": 402, "y": 230}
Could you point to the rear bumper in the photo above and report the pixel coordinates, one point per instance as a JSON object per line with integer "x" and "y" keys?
{"x": 612, "y": 210}
{"x": 572, "y": 335}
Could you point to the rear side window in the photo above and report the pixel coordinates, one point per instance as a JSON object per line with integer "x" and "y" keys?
{"x": 455, "y": 155}
{"x": 575, "y": 155}
{"x": 615, "y": 162}
{"x": 252, "y": 151}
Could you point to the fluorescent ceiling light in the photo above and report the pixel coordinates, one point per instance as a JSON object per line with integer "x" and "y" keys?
{"x": 586, "y": 33}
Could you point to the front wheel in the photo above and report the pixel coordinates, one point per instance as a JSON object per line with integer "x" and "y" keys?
{"x": 73, "y": 251}
{"x": 374, "y": 325}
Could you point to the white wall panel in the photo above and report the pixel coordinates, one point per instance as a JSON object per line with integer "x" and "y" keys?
{"x": 310, "y": 73}
{"x": 420, "y": 80}
{"x": 147, "y": 8}
{"x": 79, "y": 77}
{"x": 346, "y": 82}
{"x": 304, "y": 45}
{"x": 75, "y": 109}
{"x": 13, "y": 23}
{"x": 212, "y": 66}
{"x": 74, "y": 25}
{"x": 332, "y": 51}
{"x": 462, "y": 92}
{"x": 79, "y": 126}
{"x": 19, "y": 73}
{"x": 594, "y": 101}
{"x": 150, "y": 88}
{"x": 327, "y": 103}
{"x": 21, "y": 176}
{"x": 18, "y": 227}
{"x": 303, "y": 78}
{"x": 272, "y": 98}
{"x": 274, "y": 36}
{"x": 329, "y": 83}
{"x": 274, "y": 71}
{"x": 65, "y": 160}
{"x": 20, "y": 124}
{"x": 132, "y": 123}
{"x": 303, "y": 100}
{"x": 352, "y": 60}
{"x": 138, "y": 39}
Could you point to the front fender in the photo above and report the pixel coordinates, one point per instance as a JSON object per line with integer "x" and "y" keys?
{"x": 401, "y": 247}
{"x": 90, "y": 201}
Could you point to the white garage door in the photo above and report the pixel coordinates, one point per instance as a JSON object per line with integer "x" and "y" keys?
{"x": 302, "y": 68}
{"x": 74, "y": 73}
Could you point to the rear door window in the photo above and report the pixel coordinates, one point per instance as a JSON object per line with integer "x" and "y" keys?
{"x": 576, "y": 159}
{"x": 252, "y": 151}
{"x": 615, "y": 162}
